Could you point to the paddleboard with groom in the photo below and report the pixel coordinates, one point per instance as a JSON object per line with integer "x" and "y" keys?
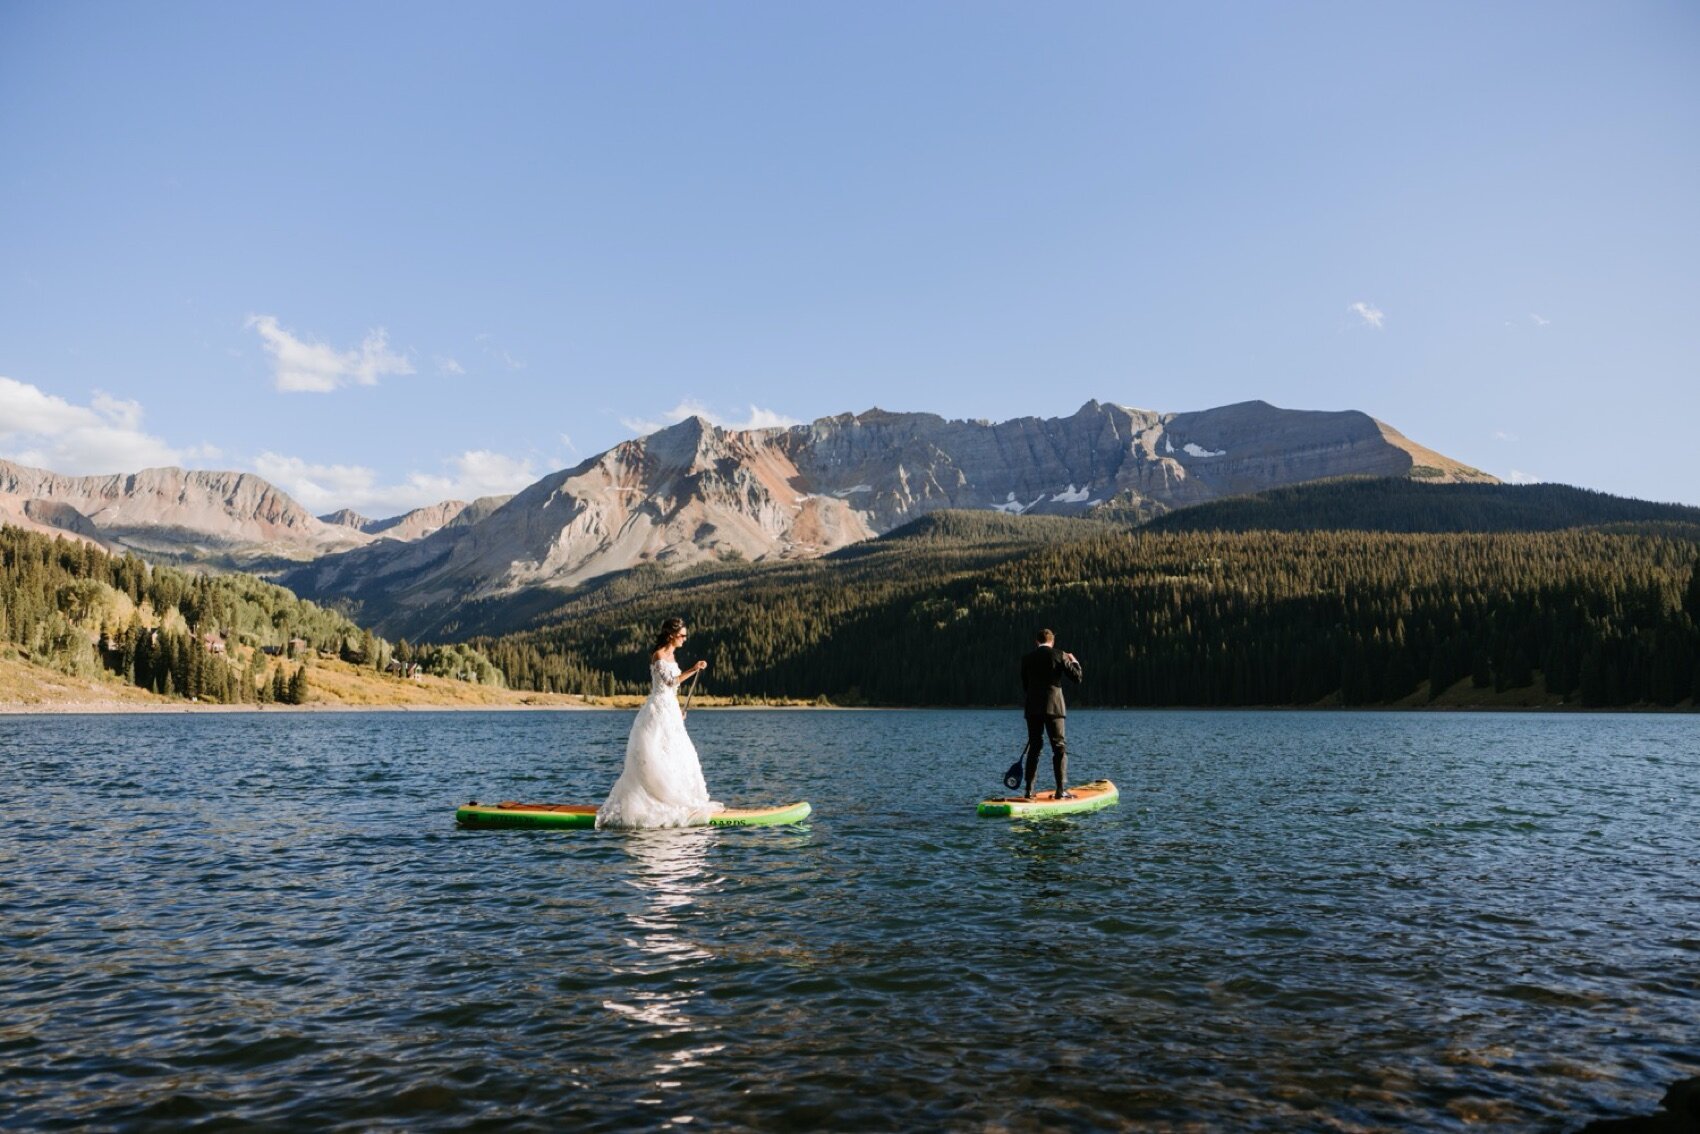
{"x": 1043, "y": 671}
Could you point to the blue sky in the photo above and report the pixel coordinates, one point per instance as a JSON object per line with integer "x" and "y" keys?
{"x": 389, "y": 253}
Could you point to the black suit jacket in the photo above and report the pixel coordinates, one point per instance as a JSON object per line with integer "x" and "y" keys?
{"x": 1042, "y": 672}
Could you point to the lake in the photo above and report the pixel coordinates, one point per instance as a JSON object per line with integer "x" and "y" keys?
{"x": 1293, "y": 921}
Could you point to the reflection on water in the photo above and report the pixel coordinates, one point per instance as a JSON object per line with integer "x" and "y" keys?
{"x": 669, "y": 875}
{"x": 1292, "y": 922}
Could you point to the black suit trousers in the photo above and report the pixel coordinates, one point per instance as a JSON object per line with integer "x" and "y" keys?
{"x": 1037, "y": 729}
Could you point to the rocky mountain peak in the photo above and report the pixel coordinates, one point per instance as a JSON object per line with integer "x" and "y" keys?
{"x": 688, "y": 446}
{"x": 346, "y": 518}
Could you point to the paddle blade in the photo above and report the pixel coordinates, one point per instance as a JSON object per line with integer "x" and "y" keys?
{"x": 1012, "y": 778}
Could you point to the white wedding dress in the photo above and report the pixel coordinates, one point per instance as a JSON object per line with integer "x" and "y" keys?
{"x": 661, "y": 784}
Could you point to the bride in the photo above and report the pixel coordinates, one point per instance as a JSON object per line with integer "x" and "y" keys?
{"x": 662, "y": 784}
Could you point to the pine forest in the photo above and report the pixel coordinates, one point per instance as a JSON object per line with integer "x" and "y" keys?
{"x": 231, "y": 639}
{"x": 937, "y": 613}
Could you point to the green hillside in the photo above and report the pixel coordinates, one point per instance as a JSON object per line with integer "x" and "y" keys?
{"x": 936, "y": 613}
{"x": 73, "y": 608}
{"x": 1397, "y": 505}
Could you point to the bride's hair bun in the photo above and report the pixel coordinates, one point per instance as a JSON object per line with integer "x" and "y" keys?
{"x": 669, "y": 630}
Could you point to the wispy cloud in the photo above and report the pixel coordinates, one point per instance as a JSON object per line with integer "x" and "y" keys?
{"x": 1538, "y": 321}
{"x": 1372, "y": 315}
{"x": 327, "y": 487}
{"x": 449, "y": 365}
{"x": 757, "y": 418}
{"x": 488, "y": 344}
{"x": 301, "y": 365}
{"x": 105, "y": 436}
{"x": 1518, "y": 476}
{"x": 1502, "y": 435}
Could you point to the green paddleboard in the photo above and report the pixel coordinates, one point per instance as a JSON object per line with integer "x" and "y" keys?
{"x": 582, "y": 816}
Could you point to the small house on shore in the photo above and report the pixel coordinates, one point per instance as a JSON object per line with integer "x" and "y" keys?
{"x": 413, "y": 671}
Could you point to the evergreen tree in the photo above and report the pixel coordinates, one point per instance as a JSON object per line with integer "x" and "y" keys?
{"x": 1191, "y": 618}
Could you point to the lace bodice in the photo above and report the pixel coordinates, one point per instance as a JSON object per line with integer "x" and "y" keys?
{"x": 664, "y": 677}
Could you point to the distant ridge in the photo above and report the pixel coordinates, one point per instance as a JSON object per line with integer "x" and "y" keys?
{"x": 418, "y": 523}
{"x": 172, "y": 514}
{"x": 346, "y": 518}
{"x": 1388, "y": 504}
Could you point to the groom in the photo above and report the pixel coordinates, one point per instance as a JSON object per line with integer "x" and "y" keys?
{"x": 1042, "y": 672}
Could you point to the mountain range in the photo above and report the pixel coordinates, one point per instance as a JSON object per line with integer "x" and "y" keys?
{"x": 219, "y": 519}
{"x": 696, "y": 492}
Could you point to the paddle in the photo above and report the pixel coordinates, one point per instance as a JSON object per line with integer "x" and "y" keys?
{"x": 1012, "y": 778}
{"x": 692, "y": 680}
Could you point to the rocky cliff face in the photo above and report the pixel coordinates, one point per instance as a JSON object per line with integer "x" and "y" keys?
{"x": 695, "y": 492}
{"x": 175, "y": 513}
{"x": 897, "y": 466}
{"x": 49, "y": 518}
{"x": 685, "y": 494}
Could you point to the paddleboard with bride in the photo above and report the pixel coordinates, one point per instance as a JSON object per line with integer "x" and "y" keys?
{"x": 582, "y": 816}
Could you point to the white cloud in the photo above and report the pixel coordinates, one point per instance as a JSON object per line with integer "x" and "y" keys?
{"x": 758, "y": 418}
{"x": 303, "y": 366}
{"x": 1369, "y": 313}
{"x": 1540, "y": 322}
{"x": 765, "y": 419}
{"x": 105, "y": 436}
{"x": 1502, "y": 435}
{"x": 1518, "y": 476}
{"x": 449, "y": 365}
{"x": 642, "y": 427}
{"x": 325, "y": 488}
{"x": 497, "y": 351}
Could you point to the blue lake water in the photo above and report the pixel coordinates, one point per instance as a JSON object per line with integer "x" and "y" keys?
{"x": 1294, "y": 921}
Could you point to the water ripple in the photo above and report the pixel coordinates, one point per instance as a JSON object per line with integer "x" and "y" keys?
{"x": 1293, "y": 921}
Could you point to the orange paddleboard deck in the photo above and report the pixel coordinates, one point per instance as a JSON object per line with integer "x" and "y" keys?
{"x": 1086, "y": 797}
